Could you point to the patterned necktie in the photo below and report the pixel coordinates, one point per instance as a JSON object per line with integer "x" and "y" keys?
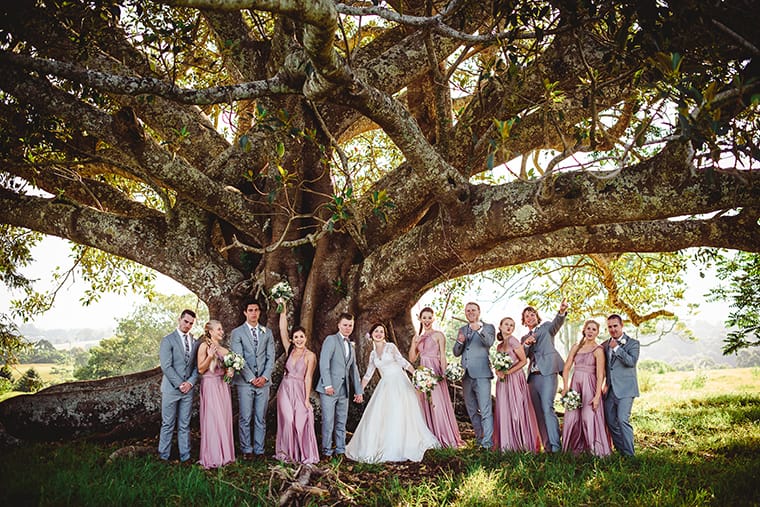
{"x": 187, "y": 348}
{"x": 255, "y": 334}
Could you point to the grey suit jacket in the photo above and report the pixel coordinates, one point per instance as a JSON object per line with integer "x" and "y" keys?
{"x": 475, "y": 350}
{"x": 337, "y": 371}
{"x": 621, "y": 368}
{"x": 259, "y": 362}
{"x": 172, "y": 356}
{"x": 543, "y": 353}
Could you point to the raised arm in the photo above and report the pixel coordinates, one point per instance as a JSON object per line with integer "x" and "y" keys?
{"x": 413, "y": 353}
{"x": 284, "y": 337}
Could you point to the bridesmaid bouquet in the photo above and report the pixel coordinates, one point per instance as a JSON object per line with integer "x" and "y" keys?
{"x": 234, "y": 362}
{"x": 454, "y": 372}
{"x": 571, "y": 400}
{"x": 502, "y": 362}
{"x": 281, "y": 290}
{"x": 424, "y": 380}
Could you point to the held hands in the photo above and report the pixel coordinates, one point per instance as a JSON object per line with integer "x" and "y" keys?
{"x": 329, "y": 391}
{"x": 476, "y": 326}
{"x": 358, "y": 398}
{"x": 185, "y": 387}
{"x": 259, "y": 381}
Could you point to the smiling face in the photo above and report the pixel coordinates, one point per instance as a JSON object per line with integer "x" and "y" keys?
{"x": 426, "y": 318}
{"x": 378, "y": 334}
{"x": 216, "y": 331}
{"x": 472, "y": 312}
{"x": 530, "y": 318}
{"x": 507, "y": 327}
{"x": 615, "y": 328}
{"x": 299, "y": 339}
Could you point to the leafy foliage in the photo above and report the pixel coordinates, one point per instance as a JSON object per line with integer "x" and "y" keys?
{"x": 29, "y": 382}
{"x": 741, "y": 272}
{"x": 134, "y": 347}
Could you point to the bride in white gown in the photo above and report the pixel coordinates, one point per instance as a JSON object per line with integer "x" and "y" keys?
{"x": 392, "y": 427}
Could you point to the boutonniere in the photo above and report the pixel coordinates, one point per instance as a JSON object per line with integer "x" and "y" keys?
{"x": 622, "y": 340}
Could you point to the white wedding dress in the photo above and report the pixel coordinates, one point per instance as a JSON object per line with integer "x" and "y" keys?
{"x": 392, "y": 427}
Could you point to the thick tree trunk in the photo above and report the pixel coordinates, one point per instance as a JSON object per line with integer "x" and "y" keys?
{"x": 115, "y": 407}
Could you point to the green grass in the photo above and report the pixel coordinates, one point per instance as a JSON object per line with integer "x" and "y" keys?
{"x": 695, "y": 446}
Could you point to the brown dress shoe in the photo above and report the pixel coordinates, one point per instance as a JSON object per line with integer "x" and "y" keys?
{"x": 247, "y": 456}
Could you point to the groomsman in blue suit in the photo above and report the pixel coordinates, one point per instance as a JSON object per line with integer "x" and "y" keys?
{"x": 255, "y": 343}
{"x": 545, "y": 364}
{"x": 473, "y": 344}
{"x": 177, "y": 354}
{"x": 622, "y": 385}
{"x": 337, "y": 374}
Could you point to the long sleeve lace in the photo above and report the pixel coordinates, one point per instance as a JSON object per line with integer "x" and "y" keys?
{"x": 398, "y": 358}
{"x": 370, "y": 367}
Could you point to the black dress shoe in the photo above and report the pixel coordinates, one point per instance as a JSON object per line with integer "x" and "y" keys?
{"x": 247, "y": 456}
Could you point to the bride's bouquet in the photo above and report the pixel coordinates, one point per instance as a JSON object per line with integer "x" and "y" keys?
{"x": 571, "y": 400}
{"x": 234, "y": 362}
{"x": 502, "y": 362}
{"x": 424, "y": 380}
{"x": 281, "y": 290}
{"x": 454, "y": 372}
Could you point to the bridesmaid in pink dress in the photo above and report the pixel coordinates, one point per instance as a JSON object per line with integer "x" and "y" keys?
{"x": 296, "y": 439}
{"x": 430, "y": 346}
{"x": 584, "y": 429}
{"x": 217, "y": 444}
{"x": 514, "y": 420}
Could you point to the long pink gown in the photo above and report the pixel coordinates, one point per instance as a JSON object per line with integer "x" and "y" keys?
{"x": 514, "y": 420}
{"x": 584, "y": 429}
{"x": 296, "y": 439}
{"x": 217, "y": 443}
{"x": 438, "y": 412}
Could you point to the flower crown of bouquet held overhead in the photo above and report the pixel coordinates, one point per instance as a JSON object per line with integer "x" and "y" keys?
{"x": 232, "y": 361}
{"x": 281, "y": 290}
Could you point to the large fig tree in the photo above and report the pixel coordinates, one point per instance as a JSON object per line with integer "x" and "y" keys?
{"x": 365, "y": 152}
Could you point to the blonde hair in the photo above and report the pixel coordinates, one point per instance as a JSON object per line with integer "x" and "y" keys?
{"x": 207, "y": 339}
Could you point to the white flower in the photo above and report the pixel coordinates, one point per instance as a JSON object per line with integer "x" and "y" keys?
{"x": 571, "y": 400}
{"x": 281, "y": 290}
{"x": 502, "y": 361}
{"x": 622, "y": 340}
{"x": 233, "y": 361}
{"x": 454, "y": 372}
{"x": 424, "y": 380}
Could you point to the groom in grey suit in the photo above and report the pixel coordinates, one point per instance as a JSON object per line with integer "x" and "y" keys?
{"x": 177, "y": 354}
{"x": 255, "y": 343}
{"x": 622, "y": 386}
{"x": 337, "y": 370}
{"x": 473, "y": 344}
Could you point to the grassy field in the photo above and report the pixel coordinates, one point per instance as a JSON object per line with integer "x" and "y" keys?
{"x": 697, "y": 437}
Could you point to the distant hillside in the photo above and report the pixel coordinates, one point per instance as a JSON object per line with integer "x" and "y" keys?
{"x": 66, "y": 338}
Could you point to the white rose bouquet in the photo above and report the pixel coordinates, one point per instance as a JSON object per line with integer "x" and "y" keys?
{"x": 454, "y": 372}
{"x": 502, "y": 362}
{"x": 281, "y": 290}
{"x": 233, "y": 363}
{"x": 571, "y": 400}
{"x": 424, "y": 380}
